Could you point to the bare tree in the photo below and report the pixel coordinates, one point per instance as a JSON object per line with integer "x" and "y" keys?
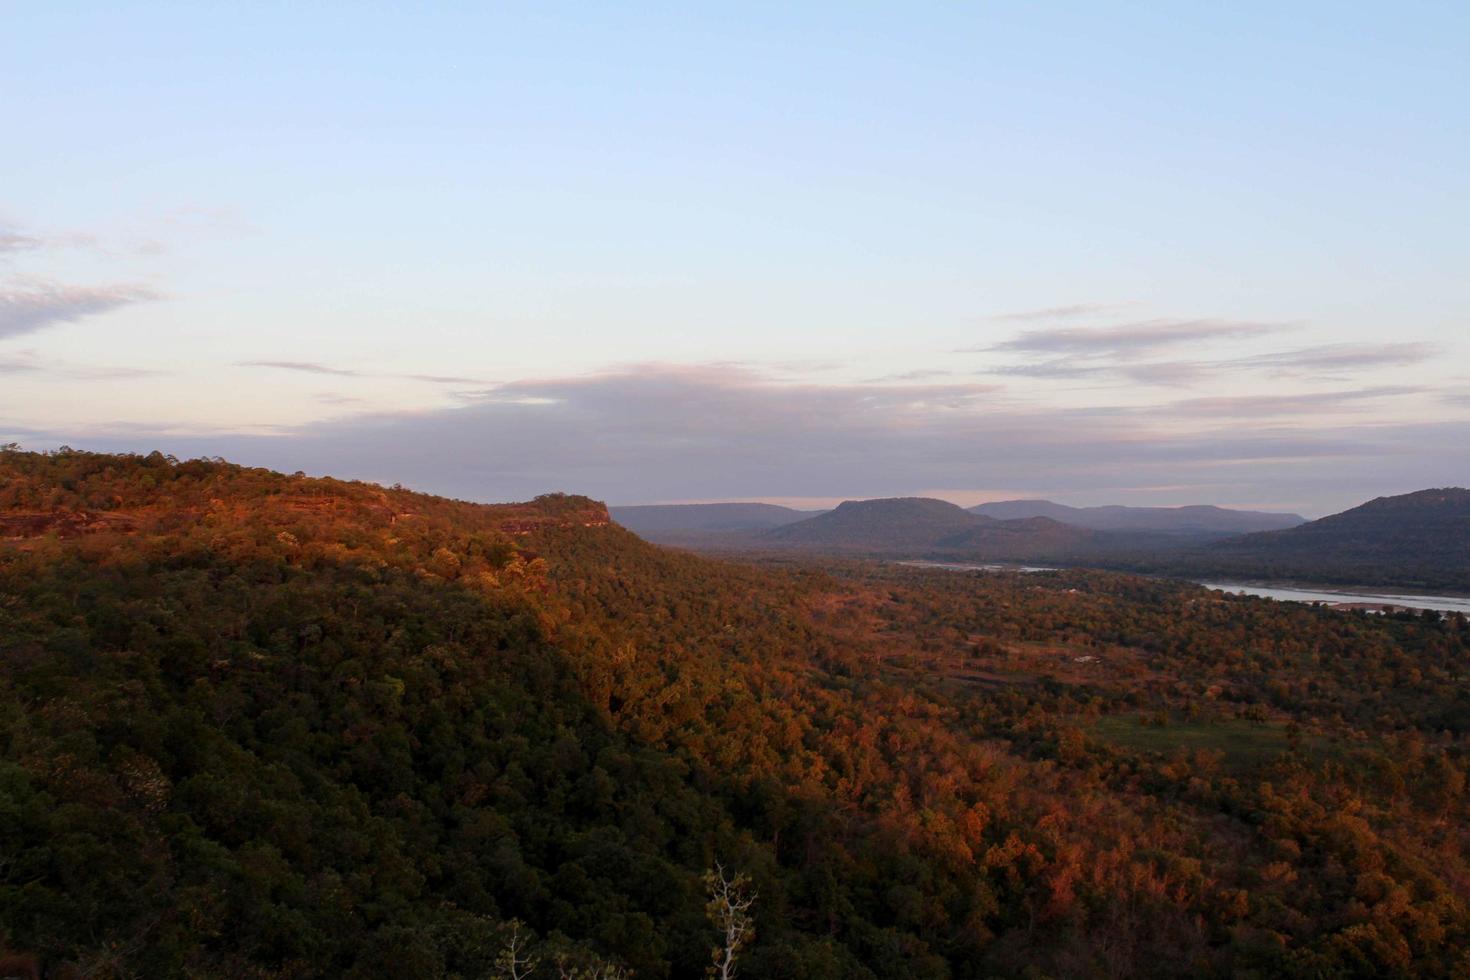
{"x": 516, "y": 962}
{"x": 730, "y": 901}
{"x": 566, "y": 969}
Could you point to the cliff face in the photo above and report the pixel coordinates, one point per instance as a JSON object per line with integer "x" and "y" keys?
{"x": 552, "y": 510}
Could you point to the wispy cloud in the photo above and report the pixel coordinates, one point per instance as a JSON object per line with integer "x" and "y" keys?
{"x": 442, "y": 379}
{"x": 26, "y": 362}
{"x": 306, "y": 367}
{"x": 1165, "y": 373}
{"x": 35, "y": 304}
{"x": 1156, "y": 373}
{"x": 1245, "y": 406}
{"x": 316, "y": 367}
{"x": 14, "y": 241}
{"x": 1340, "y": 357}
{"x": 919, "y": 375}
{"x": 1139, "y": 352}
{"x": 1136, "y": 338}
{"x": 1062, "y": 312}
{"x": 1061, "y": 368}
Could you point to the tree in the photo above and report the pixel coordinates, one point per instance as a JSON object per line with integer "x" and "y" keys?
{"x": 516, "y": 961}
{"x": 568, "y": 969}
{"x": 730, "y": 901}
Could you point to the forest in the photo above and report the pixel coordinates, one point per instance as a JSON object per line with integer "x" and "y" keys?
{"x": 265, "y": 725}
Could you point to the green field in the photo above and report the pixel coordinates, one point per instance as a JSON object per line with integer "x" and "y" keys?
{"x": 1244, "y": 743}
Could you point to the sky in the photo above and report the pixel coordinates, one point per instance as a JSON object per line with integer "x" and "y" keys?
{"x": 1103, "y": 253}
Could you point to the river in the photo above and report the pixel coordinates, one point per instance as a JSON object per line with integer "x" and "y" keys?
{"x": 1284, "y": 593}
{"x": 1375, "y": 597}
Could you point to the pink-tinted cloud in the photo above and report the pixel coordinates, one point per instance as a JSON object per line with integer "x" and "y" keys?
{"x": 36, "y": 305}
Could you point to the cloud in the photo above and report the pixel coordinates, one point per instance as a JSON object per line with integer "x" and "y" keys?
{"x": 110, "y": 373}
{"x": 441, "y": 379}
{"x": 1062, "y": 312}
{"x": 663, "y": 432}
{"x": 1245, "y": 406}
{"x": 1338, "y": 357}
{"x": 307, "y": 367}
{"x": 1157, "y": 373}
{"x": 1166, "y": 373}
{"x": 315, "y": 367}
{"x": 1061, "y": 368}
{"x": 1130, "y": 352}
{"x": 25, "y": 362}
{"x": 919, "y": 375}
{"x": 1127, "y": 339}
{"x": 36, "y": 305}
{"x": 13, "y": 241}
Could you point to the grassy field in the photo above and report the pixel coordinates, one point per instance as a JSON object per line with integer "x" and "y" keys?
{"x": 1244, "y": 743}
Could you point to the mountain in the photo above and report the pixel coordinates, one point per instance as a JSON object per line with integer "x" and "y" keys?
{"x": 1419, "y": 539}
{"x": 653, "y": 520}
{"x": 1200, "y": 520}
{"x": 912, "y": 526}
{"x": 1022, "y": 539}
{"x": 900, "y": 525}
{"x": 921, "y": 527}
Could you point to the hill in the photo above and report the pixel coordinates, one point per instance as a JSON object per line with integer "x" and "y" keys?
{"x": 919, "y": 527}
{"x": 261, "y": 725}
{"x": 897, "y": 525}
{"x": 1024, "y": 539}
{"x": 651, "y": 521}
{"x": 1417, "y": 539}
{"x": 1198, "y": 520}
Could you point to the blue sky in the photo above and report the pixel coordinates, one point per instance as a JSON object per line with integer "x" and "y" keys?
{"x": 1150, "y": 253}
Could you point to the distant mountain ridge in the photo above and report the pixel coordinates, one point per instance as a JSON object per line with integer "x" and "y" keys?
{"x": 1415, "y": 540}
{"x": 903, "y": 523}
{"x": 1203, "y": 519}
{"x": 922, "y": 527}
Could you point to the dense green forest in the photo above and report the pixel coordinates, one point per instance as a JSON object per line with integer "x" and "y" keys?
{"x": 258, "y": 725}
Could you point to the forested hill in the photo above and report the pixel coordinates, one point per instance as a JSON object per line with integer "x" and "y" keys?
{"x": 257, "y": 725}
{"x": 1430, "y": 526}
{"x": 905, "y": 524}
{"x": 1413, "y": 540}
{"x": 76, "y": 494}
